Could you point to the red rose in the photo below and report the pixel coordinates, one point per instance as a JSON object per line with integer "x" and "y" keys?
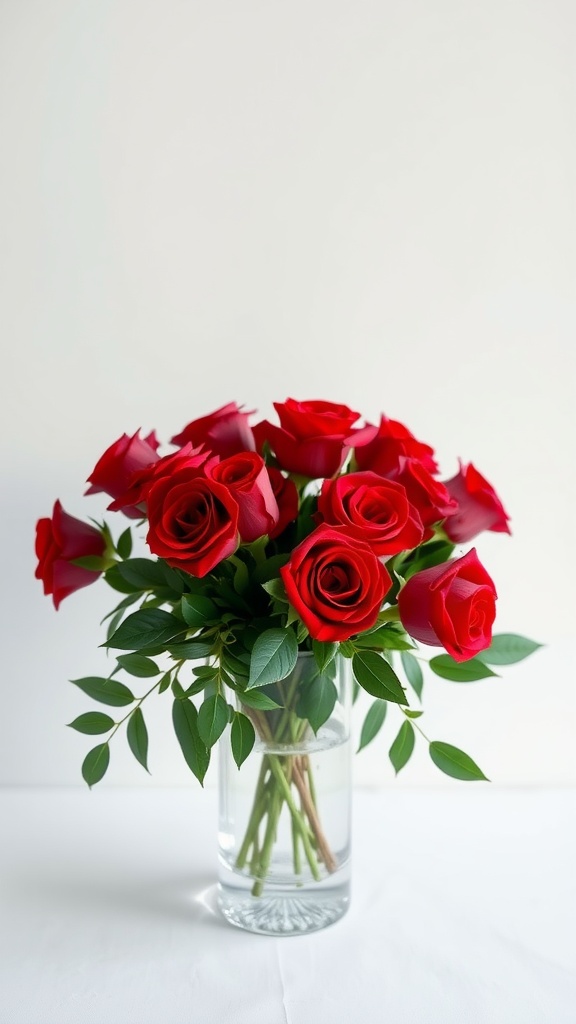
{"x": 224, "y": 432}
{"x": 335, "y": 583}
{"x": 246, "y": 478}
{"x": 59, "y": 541}
{"x": 193, "y": 521}
{"x": 451, "y": 605}
{"x": 313, "y": 438}
{"x": 374, "y": 510}
{"x": 116, "y": 468}
{"x": 286, "y": 494}
{"x": 479, "y": 507}
{"x": 392, "y": 440}
{"x": 428, "y": 495}
{"x": 134, "y": 497}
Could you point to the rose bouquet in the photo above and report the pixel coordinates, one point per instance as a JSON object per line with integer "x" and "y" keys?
{"x": 274, "y": 553}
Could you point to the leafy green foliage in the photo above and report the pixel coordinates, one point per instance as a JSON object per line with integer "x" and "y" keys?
{"x": 106, "y": 691}
{"x": 401, "y": 750}
{"x": 324, "y": 653}
{"x": 507, "y": 649}
{"x": 138, "y": 665}
{"x": 124, "y": 545}
{"x": 273, "y": 657}
{"x": 197, "y": 610}
{"x": 195, "y": 751}
{"x": 148, "y": 627}
{"x": 377, "y": 677}
{"x": 459, "y": 671}
{"x": 95, "y": 764}
{"x": 242, "y": 737}
{"x": 137, "y": 735}
{"x": 413, "y": 672}
{"x": 316, "y": 700}
{"x": 373, "y": 722}
{"x": 92, "y": 723}
{"x": 455, "y": 762}
{"x": 258, "y": 700}
{"x": 212, "y": 719}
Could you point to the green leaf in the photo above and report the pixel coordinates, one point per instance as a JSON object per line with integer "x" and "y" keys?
{"x": 124, "y": 545}
{"x": 197, "y": 610}
{"x": 143, "y": 573}
{"x": 212, "y": 719}
{"x": 324, "y": 653}
{"x": 459, "y": 671}
{"x": 387, "y": 637}
{"x": 242, "y": 737}
{"x": 401, "y": 750}
{"x": 507, "y": 649}
{"x": 137, "y": 734}
{"x": 347, "y": 648}
{"x": 106, "y": 691}
{"x": 190, "y": 650}
{"x": 205, "y": 672}
{"x": 316, "y": 701}
{"x": 455, "y": 762}
{"x": 372, "y": 723}
{"x": 126, "y": 601}
{"x": 377, "y": 677}
{"x": 270, "y": 568}
{"x": 95, "y": 764}
{"x": 429, "y": 555}
{"x": 92, "y": 723}
{"x": 273, "y": 657}
{"x": 115, "y": 580}
{"x": 241, "y": 580}
{"x": 276, "y": 589}
{"x": 138, "y": 665}
{"x": 164, "y": 683}
{"x": 413, "y": 672}
{"x": 196, "y": 754}
{"x": 258, "y": 700}
{"x": 148, "y": 627}
{"x": 412, "y": 714}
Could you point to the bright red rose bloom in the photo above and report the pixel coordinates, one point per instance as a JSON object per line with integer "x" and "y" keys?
{"x": 134, "y": 497}
{"x": 429, "y": 496}
{"x": 59, "y": 541}
{"x": 393, "y": 440}
{"x": 335, "y": 583}
{"x": 286, "y": 494}
{"x": 313, "y": 438}
{"x": 115, "y": 470}
{"x": 374, "y": 510}
{"x": 479, "y": 507}
{"x": 451, "y": 605}
{"x": 193, "y": 521}
{"x": 223, "y": 432}
{"x": 246, "y": 477}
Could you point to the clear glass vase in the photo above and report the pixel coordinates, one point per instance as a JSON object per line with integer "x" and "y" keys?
{"x": 284, "y": 817}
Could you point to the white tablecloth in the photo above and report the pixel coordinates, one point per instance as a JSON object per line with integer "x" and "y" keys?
{"x": 463, "y": 912}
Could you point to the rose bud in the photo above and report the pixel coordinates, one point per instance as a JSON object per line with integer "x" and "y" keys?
{"x": 224, "y": 432}
{"x": 59, "y": 541}
{"x": 246, "y": 477}
{"x": 115, "y": 469}
{"x": 193, "y": 521}
{"x": 450, "y": 605}
{"x": 314, "y": 438}
{"x": 373, "y": 509}
{"x": 335, "y": 583}
{"x": 479, "y": 507}
{"x": 392, "y": 440}
{"x": 286, "y": 495}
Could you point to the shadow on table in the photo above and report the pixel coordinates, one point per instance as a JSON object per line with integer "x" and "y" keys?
{"x": 187, "y": 898}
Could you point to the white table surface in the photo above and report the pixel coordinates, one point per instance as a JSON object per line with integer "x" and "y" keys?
{"x": 463, "y": 911}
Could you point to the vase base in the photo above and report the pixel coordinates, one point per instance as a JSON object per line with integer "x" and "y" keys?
{"x": 282, "y": 913}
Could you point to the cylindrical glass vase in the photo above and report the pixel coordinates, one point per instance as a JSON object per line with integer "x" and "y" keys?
{"x": 284, "y": 817}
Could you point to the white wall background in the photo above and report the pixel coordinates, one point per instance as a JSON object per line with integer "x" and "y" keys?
{"x": 370, "y": 201}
